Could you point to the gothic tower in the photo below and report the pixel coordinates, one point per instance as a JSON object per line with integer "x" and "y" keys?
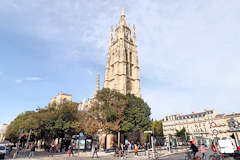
{"x": 122, "y": 69}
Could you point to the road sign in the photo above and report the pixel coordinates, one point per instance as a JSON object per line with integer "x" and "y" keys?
{"x": 213, "y": 125}
{"x": 215, "y": 132}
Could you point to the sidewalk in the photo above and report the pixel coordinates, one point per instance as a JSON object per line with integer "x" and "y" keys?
{"x": 77, "y": 155}
{"x": 101, "y": 154}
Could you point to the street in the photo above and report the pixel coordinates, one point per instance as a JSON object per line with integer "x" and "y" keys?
{"x": 181, "y": 156}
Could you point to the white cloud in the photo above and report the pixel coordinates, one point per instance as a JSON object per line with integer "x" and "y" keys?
{"x": 188, "y": 50}
{"x": 33, "y": 78}
{"x": 18, "y": 81}
{"x": 90, "y": 72}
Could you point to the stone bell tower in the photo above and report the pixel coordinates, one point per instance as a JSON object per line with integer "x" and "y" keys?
{"x": 122, "y": 69}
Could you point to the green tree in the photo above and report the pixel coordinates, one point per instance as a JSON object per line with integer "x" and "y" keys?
{"x": 136, "y": 115}
{"x": 116, "y": 112}
{"x": 182, "y": 135}
{"x": 159, "y": 128}
{"x": 47, "y": 123}
{"x": 108, "y": 110}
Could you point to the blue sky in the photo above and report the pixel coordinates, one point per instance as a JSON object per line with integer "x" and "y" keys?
{"x": 188, "y": 52}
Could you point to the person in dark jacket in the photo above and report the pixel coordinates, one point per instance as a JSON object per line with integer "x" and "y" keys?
{"x": 193, "y": 148}
{"x": 95, "y": 151}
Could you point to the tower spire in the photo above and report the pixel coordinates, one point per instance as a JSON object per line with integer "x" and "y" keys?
{"x": 123, "y": 12}
{"x": 97, "y": 84}
{"x": 122, "y": 21}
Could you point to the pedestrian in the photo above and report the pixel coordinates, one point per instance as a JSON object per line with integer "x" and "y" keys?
{"x": 10, "y": 149}
{"x": 95, "y": 151}
{"x": 32, "y": 150}
{"x": 55, "y": 148}
{"x": 116, "y": 152}
{"x": 170, "y": 146}
{"x": 70, "y": 150}
{"x": 145, "y": 148}
{"x": 194, "y": 149}
{"x": 136, "y": 150}
{"x": 63, "y": 149}
{"x": 132, "y": 146}
{"x": 203, "y": 152}
{"x": 51, "y": 149}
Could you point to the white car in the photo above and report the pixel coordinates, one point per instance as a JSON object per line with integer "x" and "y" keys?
{"x": 2, "y": 151}
{"x": 227, "y": 146}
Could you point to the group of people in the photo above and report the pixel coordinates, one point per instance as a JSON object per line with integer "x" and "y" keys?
{"x": 194, "y": 149}
{"x": 122, "y": 150}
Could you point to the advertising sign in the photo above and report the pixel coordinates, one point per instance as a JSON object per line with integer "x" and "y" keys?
{"x": 88, "y": 144}
{"x": 81, "y": 144}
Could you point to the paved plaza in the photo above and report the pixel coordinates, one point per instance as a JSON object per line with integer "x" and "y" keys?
{"x": 105, "y": 156}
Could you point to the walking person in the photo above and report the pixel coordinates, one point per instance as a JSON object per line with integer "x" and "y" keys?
{"x": 194, "y": 149}
{"x": 70, "y": 151}
{"x": 95, "y": 151}
{"x": 203, "y": 152}
{"x": 145, "y": 148}
{"x": 51, "y": 149}
{"x": 32, "y": 150}
{"x": 136, "y": 150}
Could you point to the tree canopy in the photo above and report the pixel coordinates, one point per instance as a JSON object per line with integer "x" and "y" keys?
{"x": 46, "y": 123}
{"x": 159, "y": 128}
{"x": 111, "y": 112}
{"x": 118, "y": 112}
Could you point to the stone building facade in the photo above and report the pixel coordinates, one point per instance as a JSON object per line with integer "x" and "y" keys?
{"x": 3, "y": 128}
{"x": 122, "y": 69}
{"x": 61, "y": 98}
{"x": 221, "y": 121}
{"x": 198, "y": 125}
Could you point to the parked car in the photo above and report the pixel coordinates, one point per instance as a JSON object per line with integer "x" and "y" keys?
{"x": 2, "y": 151}
{"x": 227, "y": 147}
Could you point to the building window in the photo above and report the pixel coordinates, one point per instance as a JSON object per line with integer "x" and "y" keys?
{"x": 130, "y": 57}
{"x": 126, "y": 54}
{"x": 130, "y": 70}
{"x": 112, "y": 69}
